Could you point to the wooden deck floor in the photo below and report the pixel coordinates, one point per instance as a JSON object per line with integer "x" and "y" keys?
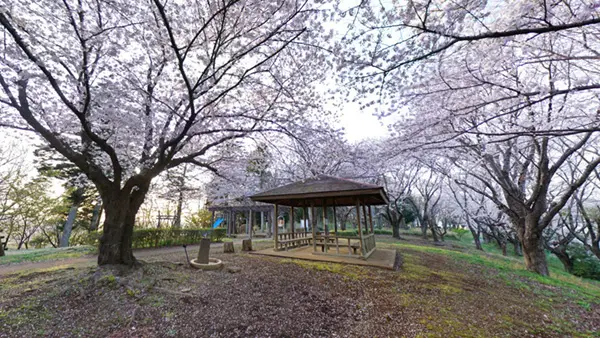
{"x": 381, "y": 258}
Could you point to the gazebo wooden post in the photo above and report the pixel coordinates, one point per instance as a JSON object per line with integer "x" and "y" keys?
{"x": 337, "y": 244}
{"x": 272, "y": 222}
{"x": 325, "y": 228}
{"x": 306, "y": 218}
{"x": 364, "y": 209}
{"x": 250, "y": 223}
{"x": 275, "y": 225}
{"x": 371, "y": 219}
{"x": 313, "y": 227}
{"x": 212, "y": 218}
{"x": 360, "y": 235}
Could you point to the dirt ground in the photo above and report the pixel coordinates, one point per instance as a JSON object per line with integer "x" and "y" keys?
{"x": 432, "y": 295}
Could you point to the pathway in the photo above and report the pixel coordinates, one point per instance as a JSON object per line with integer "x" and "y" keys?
{"x": 90, "y": 260}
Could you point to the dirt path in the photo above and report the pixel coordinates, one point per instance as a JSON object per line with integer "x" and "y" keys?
{"x": 91, "y": 259}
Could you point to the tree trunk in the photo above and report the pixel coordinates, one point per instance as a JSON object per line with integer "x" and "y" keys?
{"x": 535, "y": 257}
{"x": 396, "y": 230}
{"x": 96, "y": 212}
{"x": 68, "y": 228}
{"x": 487, "y": 239}
{"x": 228, "y": 247}
{"x": 565, "y": 259}
{"x": 476, "y": 238}
{"x": 518, "y": 248}
{"x": 434, "y": 234}
{"x": 120, "y": 209}
{"x": 530, "y": 236}
{"x": 177, "y": 222}
{"x": 247, "y": 245}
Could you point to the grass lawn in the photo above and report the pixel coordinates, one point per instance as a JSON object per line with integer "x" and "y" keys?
{"x": 447, "y": 291}
{"x": 47, "y": 254}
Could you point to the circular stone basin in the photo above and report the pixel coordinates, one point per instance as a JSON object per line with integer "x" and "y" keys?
{"x": 213, "y": 264}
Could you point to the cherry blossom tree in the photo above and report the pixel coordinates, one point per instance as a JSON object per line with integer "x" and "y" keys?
{"x": 128, "y": 90}
{"x": 507, "y": 89}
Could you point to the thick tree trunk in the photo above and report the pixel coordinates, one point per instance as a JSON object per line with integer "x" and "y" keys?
{"x": 396, "y": 230}
{"x": 120, "y": 209}
{"x": 68, "y": 228}
{"x": 535, "y": 257}
{"x": 531, "y": 240}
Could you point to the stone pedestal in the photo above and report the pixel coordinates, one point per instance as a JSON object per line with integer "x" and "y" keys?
{"x": 204, "y": 251}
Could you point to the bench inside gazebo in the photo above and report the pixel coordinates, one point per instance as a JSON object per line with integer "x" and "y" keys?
{"x": 325, "y": 193}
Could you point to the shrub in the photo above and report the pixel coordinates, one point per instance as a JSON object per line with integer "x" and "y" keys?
{"x": 585, "y": 264}
{"x": 154, "y": 238}
{"x": 460, "y": 233}
{"x": 383, "y": 232}
{"x": 347, "y": 233}
{"x": 199, "y": 220}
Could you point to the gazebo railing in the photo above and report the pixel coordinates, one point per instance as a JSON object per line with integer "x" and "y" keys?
{"x": 368, "y": 244}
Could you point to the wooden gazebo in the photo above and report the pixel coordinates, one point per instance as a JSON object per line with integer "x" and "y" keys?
{"x": 325, "y": 192}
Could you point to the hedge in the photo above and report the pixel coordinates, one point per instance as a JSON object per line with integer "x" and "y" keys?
{"x": 154, "y": 238}
{"x": 383, "y": 232}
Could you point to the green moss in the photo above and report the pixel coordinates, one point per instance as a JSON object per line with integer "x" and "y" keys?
{"x": 571, "y": 286}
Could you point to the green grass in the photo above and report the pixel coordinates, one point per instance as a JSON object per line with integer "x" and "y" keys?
{"x": 584, "y": 290}
{"x": 47, "y": 254}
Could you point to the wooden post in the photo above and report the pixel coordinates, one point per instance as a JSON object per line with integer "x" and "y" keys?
{"x": 364, "y": 209}
{"x": 312, "y": 225}
{"x": 262, "y": 221}
{"x": 292, "y": 221}
{"x": 360, "y": 236}
{"x": 325, "y": 228}
{"x": 371, "y": 219}
{"x": 250, "y": 223}
{"x": 212, "y": 218}
{"x": 233, "y": 225}
{"x": 275, "y": 225}
{"x": 337, "y": 243}
{"x": 227, "y": 217}
{"x": 305, "y": 217}
{"x": 273, "y": 220}
{"x": 334, "y": 220}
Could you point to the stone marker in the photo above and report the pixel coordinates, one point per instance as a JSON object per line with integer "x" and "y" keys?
{"x": 228, "y": 247}
{"x": 247, "y": 245}
{"x": 204, "y": 251}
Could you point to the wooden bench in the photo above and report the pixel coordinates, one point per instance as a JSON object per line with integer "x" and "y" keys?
{"x": 286, "y": 244}
{"x": 330, "y": 243}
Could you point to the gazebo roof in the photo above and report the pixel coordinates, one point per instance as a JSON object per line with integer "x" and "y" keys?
{"x": 324, "y": 189}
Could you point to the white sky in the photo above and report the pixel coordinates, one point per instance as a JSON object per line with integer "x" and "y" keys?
{"x": 360, "y": 125}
